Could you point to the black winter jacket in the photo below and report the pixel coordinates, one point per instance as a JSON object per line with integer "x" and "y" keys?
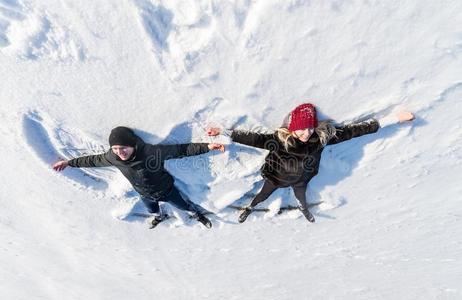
{"x": 145, "y": 170}
{"x": 300, "y": 163}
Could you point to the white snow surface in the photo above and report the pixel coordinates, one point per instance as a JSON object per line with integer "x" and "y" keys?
{"x": 390, "y": 222}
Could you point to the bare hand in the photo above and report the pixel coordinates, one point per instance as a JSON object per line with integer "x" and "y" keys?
{"x": 214, "y": 146}
{"x": 60, "y": 165}
{"x": 405, "y": 116}
{"x": 213, "y": 131}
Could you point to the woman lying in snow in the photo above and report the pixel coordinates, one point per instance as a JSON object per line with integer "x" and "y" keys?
{"x": 143, "y": 165}
{"x": 295, "y": 151}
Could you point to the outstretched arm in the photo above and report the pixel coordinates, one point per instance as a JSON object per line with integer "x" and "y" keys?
{"x": 347, "y": 132}
{"x": 89, "y": 161}
{"x": 350, "y": 131}
{"x": 254, "y": 139}
{"x": 182, "y": 150}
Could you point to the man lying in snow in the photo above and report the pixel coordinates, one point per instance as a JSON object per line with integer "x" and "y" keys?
{"x": 143, "y": 165}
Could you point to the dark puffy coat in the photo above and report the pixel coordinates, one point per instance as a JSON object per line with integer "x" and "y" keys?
{"x": 300, "y": 163}
{"x": 145, "y": 170}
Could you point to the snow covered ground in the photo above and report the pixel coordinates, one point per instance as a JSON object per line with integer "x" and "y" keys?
{"x": 389, "y": 226}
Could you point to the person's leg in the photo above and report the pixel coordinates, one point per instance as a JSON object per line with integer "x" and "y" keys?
{"x": 300, "y": 194}
{"x": 153, "y": 207}
{"x": 151, "y": 204}
{"x": 266, "y": 191}
{"x": 175, "y": 199}
{"x": 179, "y": 202}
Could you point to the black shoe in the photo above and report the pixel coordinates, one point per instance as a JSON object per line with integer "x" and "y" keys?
{"x": 247, "y": 211}
{"x": 308, "y": 215}
{"x": 157, "y": 220}
{"x": 204, "y": 220}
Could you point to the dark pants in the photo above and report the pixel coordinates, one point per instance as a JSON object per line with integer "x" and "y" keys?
{"x": 173, "y": 198}
{"x": 268, "y": 188}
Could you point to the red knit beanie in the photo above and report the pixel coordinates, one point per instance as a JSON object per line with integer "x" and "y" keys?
{"x": 302, "y": 117}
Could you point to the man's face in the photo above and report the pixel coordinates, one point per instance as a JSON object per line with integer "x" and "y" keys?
{"x": 123, "y": 152}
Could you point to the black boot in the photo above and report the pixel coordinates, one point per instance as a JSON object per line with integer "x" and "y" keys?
{"x": 307, "y": 215}
{"x": 204, "y": 220}
{"x": 247, "y": 211}
{"x": 157, "y": 220}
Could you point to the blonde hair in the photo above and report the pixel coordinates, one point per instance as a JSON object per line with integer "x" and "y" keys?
{"x": 325, "y": 131}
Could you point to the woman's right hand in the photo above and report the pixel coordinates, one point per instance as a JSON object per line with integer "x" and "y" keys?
{"x": 213, "y": 131}
{"x": 60, "y": 165}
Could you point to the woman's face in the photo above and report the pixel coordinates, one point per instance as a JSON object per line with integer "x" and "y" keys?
{"x": 304, "y": 134}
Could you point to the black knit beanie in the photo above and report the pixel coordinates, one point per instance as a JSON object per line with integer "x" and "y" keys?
{"x": 123, "y": 136}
